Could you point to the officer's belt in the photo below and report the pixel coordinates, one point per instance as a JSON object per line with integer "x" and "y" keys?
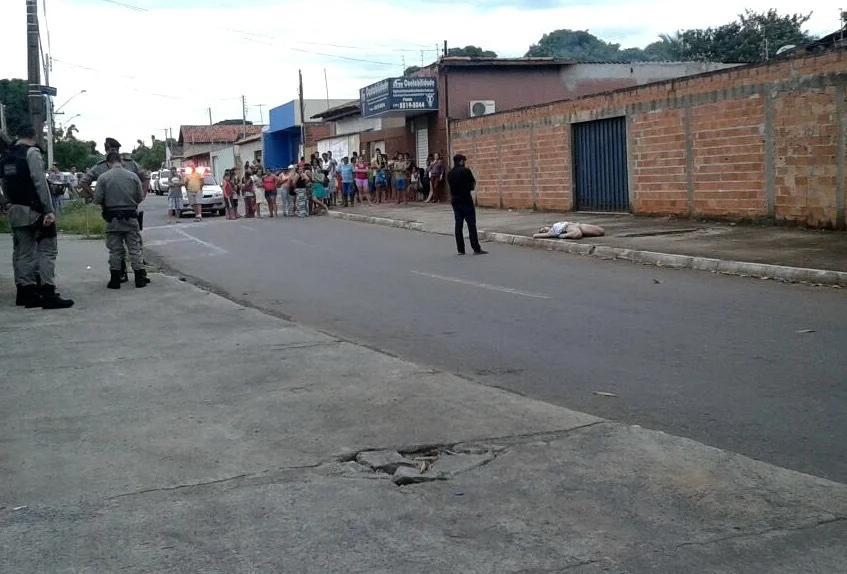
{"x": 122, "y": 214}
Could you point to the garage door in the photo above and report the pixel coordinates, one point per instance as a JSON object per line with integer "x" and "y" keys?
{"x": 421, "y": 140}
{"x": 600, "y": 170}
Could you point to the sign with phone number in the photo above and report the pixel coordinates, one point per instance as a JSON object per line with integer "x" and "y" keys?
{"x": 399, "y": 95}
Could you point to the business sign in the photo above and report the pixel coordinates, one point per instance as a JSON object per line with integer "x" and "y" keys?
{"x": 399, "y": 95}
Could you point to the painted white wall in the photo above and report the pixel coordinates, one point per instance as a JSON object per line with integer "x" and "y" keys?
{"x": 247, "y": 152}
{"x": 222, "y": 160}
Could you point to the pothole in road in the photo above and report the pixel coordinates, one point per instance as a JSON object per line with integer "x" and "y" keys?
{"x": 425, "y": 464}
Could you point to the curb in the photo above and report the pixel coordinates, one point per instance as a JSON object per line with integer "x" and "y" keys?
{"x": 673, "y": 261}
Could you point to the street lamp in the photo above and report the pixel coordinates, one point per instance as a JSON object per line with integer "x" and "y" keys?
{"x": 68, "y": 121}
{"x": 51, "y": 114}
{"x": 59, "y": 109}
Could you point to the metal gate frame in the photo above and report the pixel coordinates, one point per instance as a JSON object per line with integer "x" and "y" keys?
{"x": 614, "y": 148}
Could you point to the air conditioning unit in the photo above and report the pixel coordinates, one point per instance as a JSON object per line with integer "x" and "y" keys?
{"x": 481, "y": 108}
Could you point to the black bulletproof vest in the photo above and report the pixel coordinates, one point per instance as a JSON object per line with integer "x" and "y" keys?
{"x": 17, "y": 180}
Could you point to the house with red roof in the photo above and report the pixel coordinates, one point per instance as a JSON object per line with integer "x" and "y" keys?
{"x": 199, "y": 142}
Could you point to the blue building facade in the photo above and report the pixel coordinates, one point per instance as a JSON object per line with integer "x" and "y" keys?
{"x": 282, "y": 139}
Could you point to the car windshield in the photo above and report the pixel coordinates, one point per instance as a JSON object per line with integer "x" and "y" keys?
{"x": 209, "y": 180}
{"x": 165, "y": 174}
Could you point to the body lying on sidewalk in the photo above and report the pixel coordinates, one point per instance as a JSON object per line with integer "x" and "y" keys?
{"x": 569, "y": 230}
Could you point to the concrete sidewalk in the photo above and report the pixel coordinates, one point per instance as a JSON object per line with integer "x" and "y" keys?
{"x": 789, "y": 254}
{"x": 171, "y": 430}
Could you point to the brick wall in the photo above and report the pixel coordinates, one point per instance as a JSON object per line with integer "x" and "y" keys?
{"x": 752, "y": 142}
{"x": 317, "y": 131}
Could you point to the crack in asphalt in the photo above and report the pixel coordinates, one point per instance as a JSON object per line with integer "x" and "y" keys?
{"x": 760, "y": 533}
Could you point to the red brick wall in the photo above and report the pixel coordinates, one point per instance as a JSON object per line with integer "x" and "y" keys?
{"x": 805, "y": 135}
{"x": 317, "y": 131}
{"x": 750, "y": 142}
{"x": 728, "y": 144}
{"x": 659, "y": 176}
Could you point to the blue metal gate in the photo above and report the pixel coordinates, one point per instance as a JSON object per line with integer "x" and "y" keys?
{"x": 599, "y": 157}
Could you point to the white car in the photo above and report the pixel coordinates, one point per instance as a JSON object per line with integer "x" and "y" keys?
{"x": 161, "y": 182}
{"x": 212, "y": 200}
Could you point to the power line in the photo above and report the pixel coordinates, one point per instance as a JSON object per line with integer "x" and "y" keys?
{"x": 158, "y": 95}
{"x": 274, "y": 37}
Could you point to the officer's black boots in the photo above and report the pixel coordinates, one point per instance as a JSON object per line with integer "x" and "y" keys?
{"x": 28, "y": 297}
{"x": 124, "y": 275}
{"x": 116, "y": 280}
{"x": 141, "y": 279}
{"x": 51, "y": 300}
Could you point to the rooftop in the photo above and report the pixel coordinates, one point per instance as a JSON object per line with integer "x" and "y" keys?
{"x": 336, "y": 113}
{"x": 215, "y": 134}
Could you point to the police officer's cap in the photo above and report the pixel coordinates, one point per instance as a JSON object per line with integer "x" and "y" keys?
{"x": 112, "y": 143}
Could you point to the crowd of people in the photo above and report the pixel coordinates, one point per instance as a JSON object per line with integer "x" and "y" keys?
{"x": 313, "y": 187}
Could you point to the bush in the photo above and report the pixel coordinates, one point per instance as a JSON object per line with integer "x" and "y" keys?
{"x": 77, "y": 218}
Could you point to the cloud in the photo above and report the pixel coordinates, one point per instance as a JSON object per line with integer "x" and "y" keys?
{"x": 169, "y": 61}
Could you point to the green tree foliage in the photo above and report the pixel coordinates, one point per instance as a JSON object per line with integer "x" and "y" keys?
{"x": 13, "y": 93}
{"x": 150, "y": 158}
{"x": 68, "y": 151}
{"x": 471, "y": 52}
{"x": 753, "y": 37}
{"x": 579, "y": 45}
{"x": 411, "y": 70}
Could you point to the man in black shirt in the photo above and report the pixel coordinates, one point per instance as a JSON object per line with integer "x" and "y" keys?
{"x": 462, "y": 182}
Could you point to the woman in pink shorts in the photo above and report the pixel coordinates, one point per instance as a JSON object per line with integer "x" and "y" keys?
{"x": 360, "y": 173}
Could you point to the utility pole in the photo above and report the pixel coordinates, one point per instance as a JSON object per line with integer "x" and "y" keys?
{"x": 167, "y": 149}
{"x": 243, "y": 117}
{"x": 326, "y": 85}
{"x": 261, "y": 115}
{"x": 210, "y": 116}
{"x": 302, "y": 115}
{"x": 422, "y": 57}
{"x": 445, "y": 48}
{"x": 49, "y": 106}
{"x": 404, "y": 65}
{"x": 36, "y": 99}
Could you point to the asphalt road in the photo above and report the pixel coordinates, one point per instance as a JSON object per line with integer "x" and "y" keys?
{"x": 723, "y": 360}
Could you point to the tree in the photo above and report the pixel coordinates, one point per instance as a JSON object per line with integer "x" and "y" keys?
{"x": 582, "y": 46}
{"x": 13, "y": 93}
{"x": 754, "y": 37}
{"x": 411, "y": 70}
{"x": 150, "y": 158}
{"x": 668, "y": 48}
{"x": 68, "y": 151}
{"x": 471, "y": 52}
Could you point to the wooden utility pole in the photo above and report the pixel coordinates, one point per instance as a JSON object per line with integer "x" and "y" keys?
{"x": 36, "y": 98}
{"x": 302, "y": 117}
{"x": 261, "y": 115}
{"x": 210, "y": 116}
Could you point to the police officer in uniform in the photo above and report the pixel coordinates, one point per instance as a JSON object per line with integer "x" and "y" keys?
{"x": 33, "y": 223}
{"x": 101, "y": 167}
{"x": 119, "y": 191}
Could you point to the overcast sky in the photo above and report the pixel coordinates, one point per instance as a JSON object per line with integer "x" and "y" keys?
{"x": 147, "y": 65}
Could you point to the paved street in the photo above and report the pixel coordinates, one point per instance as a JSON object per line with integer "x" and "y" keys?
{"x": 722, "y": 360}
{"x": 170, "y": 430}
